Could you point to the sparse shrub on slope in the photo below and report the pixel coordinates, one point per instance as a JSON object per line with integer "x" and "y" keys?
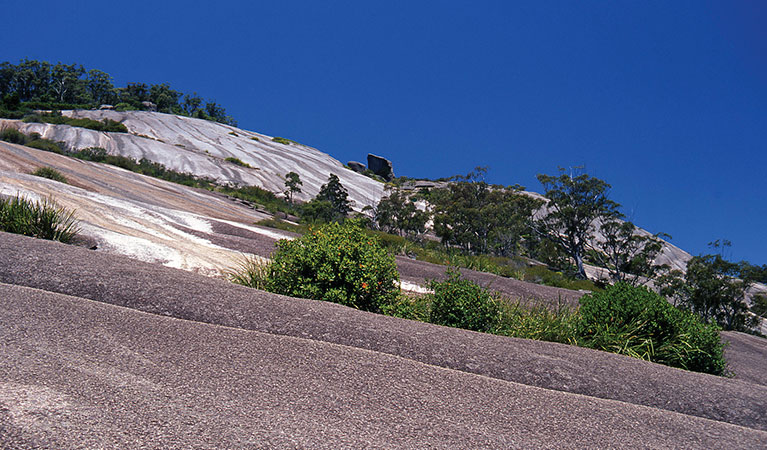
{"x": 337, "y": 263}
{"x": 461, "y": 303}
{"x": 13, "y": 136}
{"x": 51, "y": 174}
{"x": 40, "y": 219}
{"x": 637, "y": 322}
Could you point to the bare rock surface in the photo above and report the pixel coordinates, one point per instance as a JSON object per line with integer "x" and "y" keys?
{"x": 83, "y": 374}
{"x": 746, "y": 356}
{"x": 168, "y": 292}
{"x": 201, "y": 147}
{"x": 126, "y": 213}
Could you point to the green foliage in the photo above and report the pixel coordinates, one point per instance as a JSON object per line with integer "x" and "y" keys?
{"x": 397, "y": 213}
{"x": 411, "y": 307}
{"x": 627, "y": 255}
{"x": 258, "y": 196}
{"x": 337, "y": 263}
{"x": 122, "y": 106}
{"x": 461, "y": 303}
{"x": 31, "y": 85}
{"x": 538, "y": 321}
{"x": 575, "y": 205}
{"x": 281, "y": 140}
{"x": 13, "y": 136}
{"x": 106, "y": 125}
{"x": 543, "y": 275}
{"x": 50, "y": 173}
{"x": 330, "y": 205}
{"x": 293, "y": 185}
{"x": 40, "y": 219}
{"x": 237, "y": 161}
{"x": 251, "y": 272}
{"x": 640, "y": 323}
{"x": 759, "y": 305}
{"x": 480, "y": 218}
{"x": 44, "y": 144}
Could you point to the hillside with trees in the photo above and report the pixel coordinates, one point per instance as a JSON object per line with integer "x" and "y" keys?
{"x": 32, "y": 84}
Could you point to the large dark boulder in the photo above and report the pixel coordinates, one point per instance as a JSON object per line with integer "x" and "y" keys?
{"x": 380, "y": 166}
{"x": 356, "y": 166}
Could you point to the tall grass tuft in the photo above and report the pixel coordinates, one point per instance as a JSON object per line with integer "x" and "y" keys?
{"x": 251, "y": 272}
{"x": 41, "y": 219}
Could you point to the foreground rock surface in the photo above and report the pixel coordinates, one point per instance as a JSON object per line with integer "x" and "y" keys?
{"x": 622, "y": 385}
{"x": 83, "y": 374}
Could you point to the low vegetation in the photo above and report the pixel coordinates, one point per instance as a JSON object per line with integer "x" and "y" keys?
{"x": 237, "y": 161}
{"x": 637, "y": 322}
{"x": 51, "y": 174}
{"x": 281, "y": 140}
{"x": 41, "y": 219}
{"x": 106, "y": 125}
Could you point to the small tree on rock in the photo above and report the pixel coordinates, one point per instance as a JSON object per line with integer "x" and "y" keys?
{"x": 293, "y": 185}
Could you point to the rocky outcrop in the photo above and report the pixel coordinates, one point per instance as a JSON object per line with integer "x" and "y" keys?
{"x": 380, "y": 166}
{"x": 356, "y": 166}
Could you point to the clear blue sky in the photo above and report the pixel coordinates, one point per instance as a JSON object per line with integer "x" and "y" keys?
{"x": 665, "y": 100}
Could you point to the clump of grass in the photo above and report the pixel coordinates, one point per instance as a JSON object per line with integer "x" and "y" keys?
{"x": 51, "y": 174}
{"x": 41, "y": 219}
{"x": 281, "y": 140}
{"x": 233, "y": 133}
{"x": 538, "y": 321}
{"x": 253, "y": 138}
{"x": 251, "y": 272}
{"x": 237, "y": 161}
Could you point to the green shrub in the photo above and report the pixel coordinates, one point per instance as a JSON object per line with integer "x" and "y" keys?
{"x": 13, "y": 136}
{"x": 637, "y": 322}
{"x": 412, "y": 307}
{"x": 40, "y": 219}
{"x": 337, "y": 263}
{"x": 281, "y": 140}
{"x": 253, "y": 138}
{"x": 50, "y": 173}
{"x": 237, "y": 161}
{"x": 461, "y": 303}
{"x": 125, "y": 107}
{"x": 46, "y": 145}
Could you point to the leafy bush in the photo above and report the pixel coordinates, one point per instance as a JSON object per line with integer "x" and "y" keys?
{"x": 40, "y": 219}
{"x": 461, "y": 303}
{"x": 46, "y": 145}
{"x": 237, "y": 161}
{"x": 50, "y": 173}
{"x": 337, "y": 263}
{"x": 637, "y": 322}
{"x": 13, "y": 136}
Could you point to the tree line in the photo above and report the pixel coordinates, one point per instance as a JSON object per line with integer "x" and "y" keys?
{"x": 32, "y": 84}
{"x": 575, "y": 224}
